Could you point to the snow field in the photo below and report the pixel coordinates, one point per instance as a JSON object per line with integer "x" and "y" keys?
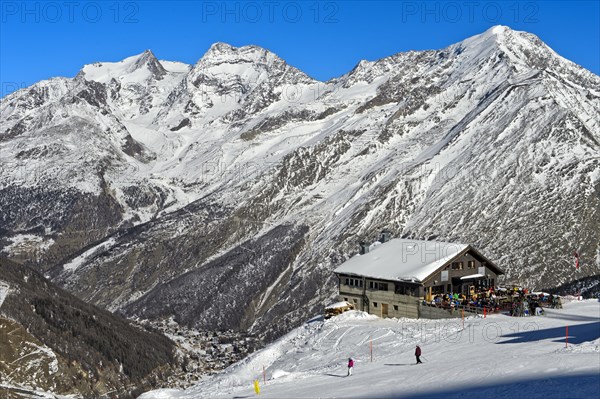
{"x": 499, "y": 356}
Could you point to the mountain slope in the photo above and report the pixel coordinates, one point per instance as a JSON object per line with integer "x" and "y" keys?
{"x": 53, "y": 341}
{"x": 173, "y": 171}
{"x": 496, "y": 357}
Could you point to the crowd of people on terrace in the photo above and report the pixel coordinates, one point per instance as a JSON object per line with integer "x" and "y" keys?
{"x": 518, "y": 301}
{"x": 485, "y": 299}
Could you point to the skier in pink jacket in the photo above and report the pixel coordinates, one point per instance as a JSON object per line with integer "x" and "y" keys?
{"x": 350, "y": 366}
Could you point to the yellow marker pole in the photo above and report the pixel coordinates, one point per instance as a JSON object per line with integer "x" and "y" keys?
{"x": 256, "y": 387}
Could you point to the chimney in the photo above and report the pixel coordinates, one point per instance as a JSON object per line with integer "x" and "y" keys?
{"x": 385, "y": 236}
{"x": 364, "y": 247}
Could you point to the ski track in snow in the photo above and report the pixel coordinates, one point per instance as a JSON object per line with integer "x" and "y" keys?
{"x": 499, "y": 356}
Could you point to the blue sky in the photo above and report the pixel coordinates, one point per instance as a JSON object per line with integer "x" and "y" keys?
{"x": 325, "y": 39}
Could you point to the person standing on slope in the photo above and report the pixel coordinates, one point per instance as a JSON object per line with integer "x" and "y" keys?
{"x": 418, "y": 354}
{"x": 350, "y": 366}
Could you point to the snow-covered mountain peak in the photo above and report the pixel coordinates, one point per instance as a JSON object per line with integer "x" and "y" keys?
{"x": 134, "y": 69}
{"x": 498, "y": 33}
{"x": 468, "y": 56}
{"x": 522, "y": 51}
{"x": 220, "y": 53}
{"x": 246, "y": 62}
{"x": 242, "y": 80}
{"x": 499, "y": 29}
{"x": 148, "y": 60}
{"x": 483, "y": 44}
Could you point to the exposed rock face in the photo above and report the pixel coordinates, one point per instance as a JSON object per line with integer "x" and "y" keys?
{"x": 143, "y": 181}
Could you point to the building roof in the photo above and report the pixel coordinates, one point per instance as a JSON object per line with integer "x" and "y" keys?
{"x": 402, "y": 260}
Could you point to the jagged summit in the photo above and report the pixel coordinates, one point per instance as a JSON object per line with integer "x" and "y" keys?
{"x": 135, "y": 68}
{"x": 148, "y": 59}
{"x": 223, "y": 53}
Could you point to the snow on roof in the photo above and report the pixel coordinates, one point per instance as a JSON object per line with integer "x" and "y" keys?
{"x": 342, "y": 304}
{"x": 472, "y": 276}
{"x": 402, "y": 260}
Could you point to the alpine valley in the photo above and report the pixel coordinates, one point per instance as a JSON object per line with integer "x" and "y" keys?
{"x": 223, "y": 194}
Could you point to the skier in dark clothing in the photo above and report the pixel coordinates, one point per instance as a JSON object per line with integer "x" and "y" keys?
{"x": 418, "y": 354}
{"x": 350, "y": 366}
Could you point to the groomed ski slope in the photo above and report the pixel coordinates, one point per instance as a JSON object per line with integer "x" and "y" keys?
{"x": 496, "y": 357}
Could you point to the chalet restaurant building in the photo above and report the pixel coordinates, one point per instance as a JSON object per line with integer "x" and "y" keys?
{"x": 391, "y": 279}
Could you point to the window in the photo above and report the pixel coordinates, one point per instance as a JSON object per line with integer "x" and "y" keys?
{"x": 406, "y": 289}
{"x": 395, "y": 307}
{"x": 457, "y": 265}
{"x": 374, "y": 304}
{"x": 345, "y": 299}
{"x": 354, "y": 282}
{"x": 471, "y": 264}
{"x": 374, "y": 285}
{"x": 354, "y": 300}
{"x": 437, "y": 289}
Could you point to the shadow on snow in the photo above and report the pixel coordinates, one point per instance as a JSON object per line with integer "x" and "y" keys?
{"x": 577, "y": 334}
{"x": 580, "y": 386}
{"x": 336, "y": 375}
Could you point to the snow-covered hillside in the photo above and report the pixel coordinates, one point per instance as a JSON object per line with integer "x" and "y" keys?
{"x": 499, "y": 356}
{"x": 3, "y": 292}
{"x": 140, "y": 177}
